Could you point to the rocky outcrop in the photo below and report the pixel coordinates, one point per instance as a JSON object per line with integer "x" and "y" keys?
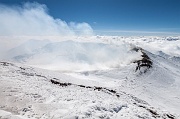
{"x": 145, "y": 62}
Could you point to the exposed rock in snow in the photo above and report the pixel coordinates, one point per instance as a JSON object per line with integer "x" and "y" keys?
{"x": 114, "y": 91}
{"x": 35, "y": 93}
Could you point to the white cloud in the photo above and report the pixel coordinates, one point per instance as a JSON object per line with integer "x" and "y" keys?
{"x": 77, "y": 27}
{"x": 32, "y": 19}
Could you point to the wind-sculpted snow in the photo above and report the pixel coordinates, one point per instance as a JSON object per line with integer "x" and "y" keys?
{"x": 101, "y": 79}
{"x": 27, "y": 92}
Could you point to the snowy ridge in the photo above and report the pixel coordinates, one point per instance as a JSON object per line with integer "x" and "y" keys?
{"x": 86, "y": 85}
{"x": 28, "y": 92}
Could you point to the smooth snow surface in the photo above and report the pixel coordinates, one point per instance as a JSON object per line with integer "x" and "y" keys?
{"x": 104, "y": 89}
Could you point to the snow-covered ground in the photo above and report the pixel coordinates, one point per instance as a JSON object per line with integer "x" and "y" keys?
{"x": 91, "y": 79}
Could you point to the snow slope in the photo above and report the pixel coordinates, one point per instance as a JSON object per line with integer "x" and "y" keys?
{"x": 100, "y": 80}
{"x": 28, "y": 92}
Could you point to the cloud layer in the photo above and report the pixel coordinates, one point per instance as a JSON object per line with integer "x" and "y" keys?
{"x": 32, "y": 19}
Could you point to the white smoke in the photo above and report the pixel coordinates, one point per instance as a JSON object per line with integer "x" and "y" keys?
{"x": 32, "y": 19}
{"x": 79, "y": 56}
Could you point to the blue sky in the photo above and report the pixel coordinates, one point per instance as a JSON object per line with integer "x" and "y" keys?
{"x": 113, "y": 17}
